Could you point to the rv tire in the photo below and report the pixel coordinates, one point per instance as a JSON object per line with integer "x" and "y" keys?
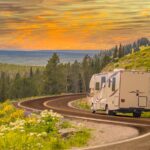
{"x": 136, "y": 114}
{"x": 93, "y": 111}
{"x": 109, "y": 112}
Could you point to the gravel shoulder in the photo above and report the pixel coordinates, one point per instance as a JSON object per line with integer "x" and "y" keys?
{"x": 104, "y": 133}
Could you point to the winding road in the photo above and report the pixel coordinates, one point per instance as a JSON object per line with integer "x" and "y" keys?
{"x": 60, "y": 105}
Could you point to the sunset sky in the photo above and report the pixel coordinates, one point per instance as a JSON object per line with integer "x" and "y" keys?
{"x": 72, "y": 24}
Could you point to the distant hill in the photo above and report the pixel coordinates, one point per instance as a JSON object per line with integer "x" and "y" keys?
{"x": 40, "y": 58}
{"x": 137, "y": 61}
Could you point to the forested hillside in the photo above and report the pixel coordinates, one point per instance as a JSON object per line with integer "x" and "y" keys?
{"x": 74, "y": 77}
{"x": 12, "y": 69}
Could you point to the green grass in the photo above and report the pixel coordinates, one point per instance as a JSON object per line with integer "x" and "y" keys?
{"x": 37, "y": 131}
{"x": 66, "y": 125}
{"x": 146, "y": 114}
{"x": 12, "y": 69}
{"x": 139, "y": 61}
{"x": 143, "y": 115}
{"x": 81, "y": 104}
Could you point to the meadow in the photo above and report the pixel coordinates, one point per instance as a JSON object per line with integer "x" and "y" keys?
{"x": 37, "y": 131}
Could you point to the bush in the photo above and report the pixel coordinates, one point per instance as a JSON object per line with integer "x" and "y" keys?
{"x": 38, "y": 132}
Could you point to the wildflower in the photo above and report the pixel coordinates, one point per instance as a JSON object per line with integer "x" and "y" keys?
{"x": 44, "y": 134}
{"x": 39, "y": 145}
{"x": 32, "y": 134}
{"x": 50, "y": 113}
{"x": 3, "y": 128}
{"x": 39, "y": 135}
{"x": 17, "y": 114}
{"x": 8, "y": 108}
{"x": 22, "y": 130}
{"x": 1, "y": 134}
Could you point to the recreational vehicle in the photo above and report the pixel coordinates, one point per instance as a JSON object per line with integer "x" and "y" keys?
{"x": 120, "y": 91}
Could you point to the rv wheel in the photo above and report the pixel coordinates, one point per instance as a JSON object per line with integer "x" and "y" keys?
{"x": 136, "y": 114}
{"x": 109, "y": 112}
{"x": 93, "y": 111}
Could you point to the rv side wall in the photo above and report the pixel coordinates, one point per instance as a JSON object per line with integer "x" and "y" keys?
{"x": 112, "y": 92}
{"x": 135, "y": 90}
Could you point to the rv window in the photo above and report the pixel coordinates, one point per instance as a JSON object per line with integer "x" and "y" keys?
{"x": 113, "y": 84}
{"x": 97, "y": 86}
{"x": 103, "y": 80}
{"x": 109, "y": 83}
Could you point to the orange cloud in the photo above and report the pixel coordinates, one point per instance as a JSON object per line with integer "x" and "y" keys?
{"x": 64, "y": 24}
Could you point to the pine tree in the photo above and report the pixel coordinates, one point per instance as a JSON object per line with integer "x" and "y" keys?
{"x": 52, "y": 76}
{"x": 31, "y": 72}
{"x": 115, "y": 52}
{"x": 75, "y": 71}
{"x": 3, "y": 90}
{"x": 120, "y": 51}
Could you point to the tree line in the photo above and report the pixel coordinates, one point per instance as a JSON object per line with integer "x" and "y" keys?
{"x": 62, "y": 78}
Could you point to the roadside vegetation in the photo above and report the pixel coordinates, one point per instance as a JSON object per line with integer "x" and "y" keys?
{"x": 81, "y": 104}
{"x": 38, "y": 131}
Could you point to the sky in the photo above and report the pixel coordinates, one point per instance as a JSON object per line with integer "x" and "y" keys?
{"x": 72, "y": 24}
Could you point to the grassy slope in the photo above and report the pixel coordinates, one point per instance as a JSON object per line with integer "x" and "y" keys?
{"x": 13, "y": 69}
{"x": 139, "y": 61}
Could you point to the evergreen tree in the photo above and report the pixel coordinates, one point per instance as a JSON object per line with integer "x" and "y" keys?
{"x": 87, "y": 72}
{"x": 120, "y": 54}
{"x": 75, "y": 71}
{"x": 115, "y": 52}
{"x": 31, "y": 72}
{"x": 52, "y": 76}
{"x": 80, "y": 84}
{"x": 3, "y": 87}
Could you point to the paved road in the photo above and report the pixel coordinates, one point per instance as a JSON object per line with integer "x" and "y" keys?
{"x": 60, "y": 104}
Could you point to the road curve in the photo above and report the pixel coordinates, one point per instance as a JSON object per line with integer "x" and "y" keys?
{"x": 60, "y": 105}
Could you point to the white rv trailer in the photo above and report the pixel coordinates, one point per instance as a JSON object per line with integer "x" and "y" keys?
{"x": 121, "y": 91}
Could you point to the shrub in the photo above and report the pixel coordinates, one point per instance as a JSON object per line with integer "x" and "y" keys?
{"x": 38, "y": 132}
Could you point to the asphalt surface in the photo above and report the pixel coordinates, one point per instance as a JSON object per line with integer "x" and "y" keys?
{"x": 60, "y": 105}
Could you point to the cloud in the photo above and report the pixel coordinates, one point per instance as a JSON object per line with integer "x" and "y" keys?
{"x": 72, "y": 24}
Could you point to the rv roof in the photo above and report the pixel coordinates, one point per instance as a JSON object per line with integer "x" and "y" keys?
{"x": 100, "y": 74}
{"x": 120, "y": 70}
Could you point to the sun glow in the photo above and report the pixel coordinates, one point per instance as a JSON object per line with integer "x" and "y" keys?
{"x": 96, "y": 24}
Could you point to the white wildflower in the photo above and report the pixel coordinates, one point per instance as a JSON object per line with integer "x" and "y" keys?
{"x": 38, "y": 135}
{"x": 44, "y": 134}
{"x": 50, "y": 113}
{"x": 39, "y": 145}
{"x": 32, "y": 134}
{"x": 22, "y": 130}
{"x": 1, "y": 134}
